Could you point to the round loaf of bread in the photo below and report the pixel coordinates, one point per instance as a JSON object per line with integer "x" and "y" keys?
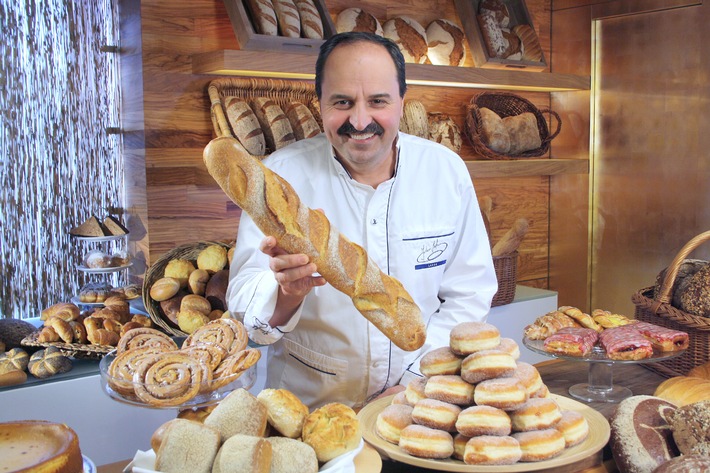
{"x": 392, "y": 420}
{"x": 410, "y": 36}
{"x": 641, "y": 437}
{"x": 436, "y": 414}
{"x": 424, "y": 442}
{"x": 690, "y": 426}
{"x": 470, "y": 337}
{"x": 285, "y": 411}
{"x": 695, "y": 297}
{"x": 685, "y": 464}
{"x": 445, "y": 43}
{"x": 483, "y": 420}
{"x": 357, "y": 19}
{"x": 290, "y": 455}
{"x": 443, "y": 130}
{"x": 440, "y": 361}
{"x": 332, "y": 430}
{"x": 492, "y": 450}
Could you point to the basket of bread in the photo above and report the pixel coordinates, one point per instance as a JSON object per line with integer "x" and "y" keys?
{"x": 680, "y": 299}
{"x": 185, "y": 288}
{"x": 264, "y": 114}
{"x": 503, "y": 125}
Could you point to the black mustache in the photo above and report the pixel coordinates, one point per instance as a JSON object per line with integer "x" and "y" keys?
{"x": 348, "y": 129}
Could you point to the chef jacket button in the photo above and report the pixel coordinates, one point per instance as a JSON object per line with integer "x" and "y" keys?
{"x": 373, "y": 221}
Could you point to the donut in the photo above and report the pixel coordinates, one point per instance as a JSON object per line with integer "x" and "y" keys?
{"x": 483, "y": 420}
{"x": 540, "y": 445}
{"x": 544, "y": 391}
{"x": 449, "y": 388}
{"x": 470, "y": 337}
{"x": 392, "y": 420}
{"x": 440, "y": 361}
{"x": 424, "y": 442}
{"x": 401, "y": 398}
{"x": 459, "y": 446}
{"x": 492, "y": 450}
{"x": 436, "y": 414}
{"x": 528, "y": 376}
{"x": 509, "y": 346}
{"x": 503, "y": 393}
{"x": 414, "y": 392}
{"x": 574, "y": 428}
{"x": 536, "y": 414}
{"x": 487, "y": 364}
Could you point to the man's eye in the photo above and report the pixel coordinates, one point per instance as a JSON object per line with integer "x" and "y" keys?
{"x": 378, "y": 102}
{"x": 342, "y": 104}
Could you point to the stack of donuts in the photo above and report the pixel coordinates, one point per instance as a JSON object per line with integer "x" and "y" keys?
{"x": 477, "y": 403}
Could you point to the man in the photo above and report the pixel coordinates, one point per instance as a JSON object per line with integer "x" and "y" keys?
{"x": 408, "y": 201}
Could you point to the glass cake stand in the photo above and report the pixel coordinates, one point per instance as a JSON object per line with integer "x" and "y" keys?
{"x": 600, "y": 386}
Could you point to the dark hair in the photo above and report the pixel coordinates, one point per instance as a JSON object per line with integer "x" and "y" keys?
{"x": 355, "y": 37}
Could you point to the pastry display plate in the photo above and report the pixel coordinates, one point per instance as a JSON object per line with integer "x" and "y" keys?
{"x": 89, "y": 466}
{"x": 76, "y": 301}
{"x": 598, "y": 354}
{"x": 111, "y": 269}
{"x": 599, "y": 432}
{"x": 100, "y": 239}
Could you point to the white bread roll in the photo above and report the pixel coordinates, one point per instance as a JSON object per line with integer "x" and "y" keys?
{"x": 332, "y": 430}
{"x": 288, "y": 18}
{"x": 238, "y": 413}
{"x": 357, "y": 19}
{"x": 410, "y": 36}
{"x": 264, "y": 17}
{"x": 493, "y": 132}
{"x": 292, "y": 456}
{"x": 285, "y": 412}
{"x": 311, "y": 24}
{"x": 187, "y": 439}
{"x": 274, "y": 123}
{"x": 446, "y": 43}
{"x": 445, "y": 131}
{"x": 243, "y": 454}
{"x": 245, "y": 125}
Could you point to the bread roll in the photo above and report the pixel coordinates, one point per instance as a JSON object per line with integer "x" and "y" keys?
{"x": 14, "y": 359}
{"x": 48, "y": 362}
{"x": 12, "y": 378}
{"x": 690, "y": 426}
{"x": 357, "y": 19}
{"x": 195, "y": 302}
{"x": 185, "y": 439}
{"x": 285, "y": 412}
{"x": 292, "y": 456}
{"x": 332, "y": 430}
{"x": 179, "y": 269}
{"x": 445, "y": 43}
{"x": 683, "y": 390}
{"x": 238, "y": 413}
{"x": 164, "y": 288}
{"x": 409, "y": 35}
{"x": 197, "y": 282}
{"x": 243, "y": 454}
{"x": 529, "y": 44}
{"x": 216, "y": 290}
{"x": 245, "y": 125}
{"x": 311, "y": 24}
{"x": 303, "y": 123}
{"x": 443, "y": 130}
{"x": 264, "y": 17}
{"x": 277, "y": 128}
{"x": 288, "y": 18}
{"x": 493, "y": 132}
{"x": 414, "y": 119}
{"x": 523, "y": 132}
{"x": 277, "y": 210}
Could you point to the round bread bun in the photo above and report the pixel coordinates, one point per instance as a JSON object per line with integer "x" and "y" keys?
{"x": 540, "y": 445}
{"x": 179, "y": 269}
{"x": 535, "y": 414}
{"x": 409, "y": 36}
{"x": 195, "y": 302}
{"x": 503, "y": 393}
{"x": 284, "y": 410}
{"x": 440, "y": 361}
{"x": 292, "y": 455}
{"x": 450, "y": 388}
{"x": 446, "y": 43}
{"x": 487, "y": 364}
{"x": 213, "y": 258}
{"x": 332, "y": 430}
{"x": 685, "y": 464}
{"x": 574, "y": 428}
{"x": 424, "y": 442}
{"x": 392, "y": 420}
{"x": 240, "y": 412}
{"x": 164, "y": 288}
{"x": 483, "y": 420}
{"x": 492, "y": 450}
{"x": 415, "y": 390}
{"x": 470, "y": 337}
{"x": 157, "y": 438}
{"x": 357, "y": 19}
{"x": 436, "y": 414}
{"x": 197, "y": 282}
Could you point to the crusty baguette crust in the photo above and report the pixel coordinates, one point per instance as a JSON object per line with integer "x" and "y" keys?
{"x": 512, "y": 238}
{"x": 302, "y": 121}
{"x": 278, "y": 211}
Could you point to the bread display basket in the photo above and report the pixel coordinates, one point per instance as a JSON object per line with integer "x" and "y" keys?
{"x": 506, "y": 104}
{"x": 506, "y": 267}
{"x": 189, "y": 252}
{"x": 661, "y": 312}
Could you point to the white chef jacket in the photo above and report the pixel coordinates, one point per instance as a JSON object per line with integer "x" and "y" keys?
{"x": 423, "y": 226}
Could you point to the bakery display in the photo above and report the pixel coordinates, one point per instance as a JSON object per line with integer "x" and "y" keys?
{"x": 54, "y": 447}
{"x": 409, "y": 35}
{"x": 446, "y": 43}
{"x": 93, "y": 227}
{"x": 357, "y": 19}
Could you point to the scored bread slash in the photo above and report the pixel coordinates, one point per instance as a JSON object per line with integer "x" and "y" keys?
{"x": 278, "y": 211}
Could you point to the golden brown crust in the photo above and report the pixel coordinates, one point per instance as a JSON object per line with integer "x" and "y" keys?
{"x": 332, "y": 430}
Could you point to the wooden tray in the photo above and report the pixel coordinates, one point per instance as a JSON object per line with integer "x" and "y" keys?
{"x": 599, "y": 432}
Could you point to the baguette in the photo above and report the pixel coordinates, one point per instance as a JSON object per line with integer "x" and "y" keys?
{"x": 245, "y": 125}
{"x": 264, "y": 17}
{"x": 277, "y": 129}
{"x": 278, "y": 211}
{"x": 512, "y": 238}
{"x": 311, "y": 24}
{"x": 302, "y": 121}
{"x": 288, "y": 18}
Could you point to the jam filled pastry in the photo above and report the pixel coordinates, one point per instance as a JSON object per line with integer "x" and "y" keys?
{"x": 571, "y": 341}
{"x": 663, "y": 338}
{"x": 625, "y": 343}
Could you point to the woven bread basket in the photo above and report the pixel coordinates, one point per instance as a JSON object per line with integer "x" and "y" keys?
{"x": 506, "y": 104}
{"x": 661, "y": 312}
{"x": 189, "y": 252}
{"x": 506, "y": 267}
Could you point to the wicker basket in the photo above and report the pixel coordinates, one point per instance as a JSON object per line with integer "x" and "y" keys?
{"x": 74, "y": 350}
{"x": 157, "y": 270}
{"x": 282, "y": 92}
{"x": 506, "y": 104}
{"x": 506, "y": 267}
{"x": 661, "y": 312}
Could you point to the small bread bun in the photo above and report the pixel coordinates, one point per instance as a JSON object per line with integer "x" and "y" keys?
{"x": 239, "y": 412}
{"x": 470, "y": 337}
{"x": 503, "y": 393}
{"x": 212, "y": 258}
{"x": 392, "y": 420}
{"x": 179, "y": 269}
{"x": 450, "y": 388}
{"x": 483, "y": 420}
{"x": 424, "y": 442}
{"x": 540, "y": 445}
{"x": 332, "y": 430}
{"x": 190, "y": 320}
{"x": 187, "y": 439}
{"x": 195, "y": 302}
{"x": 492, "y": 450}
{"x": 509, "y": 346}
{"x": 436, "y": 414}
{"x": 289, "y": 455}
{"x": 440, "y": 361}
{"x": 164, "y": 288}
{"x": 535, "y": 414}
{"x": 574, "y": 428}
{"x": 198, "y": 281}
{"x": 245, "y": 454}
{"x": 487, "y": 364}
{"x": 415, "y": 390}
{"x": 285, "y": 412}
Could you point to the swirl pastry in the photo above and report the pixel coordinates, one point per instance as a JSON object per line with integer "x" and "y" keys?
{"x": 169, "y": 379}
{"x": 233, "y": 366}
{"x": 230, "y": 334}
{"x": 123, "y": 367}
{"x": 141, "y": 337}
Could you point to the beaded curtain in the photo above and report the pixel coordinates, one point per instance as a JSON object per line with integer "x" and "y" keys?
{"x": 59, "y": 91}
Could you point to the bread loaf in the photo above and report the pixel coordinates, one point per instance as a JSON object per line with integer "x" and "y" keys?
{"x": 409, "y": 35}
{"x": 264, "y": 17}
{"x": 414, "y": 119}
{"x": 690, "y": 426}
{"x": 243, "y": 454}
{"x": 445, "y": 43}
{"x": 277, "y": 211}
{"x": 493, "y": 37}
{"x": 290, "y": 455}
{"x": 523, "y": 132}
{"x": 694, "y": 298}
{"x": 529, "y": 44}
{"x": 684, "y": 390}
{"x": 245, "y": 125}
{"x": 12, "y": 331}
{"x": 511, "y": 240}
{"x": 497, "y": 9}
{"x": 186, "y": 439}
{"x": 444, "y": 130}
{"x": 493, "y": 132}
{"x": 277, "y": 129}
{"x": 311, "y": 24}
{"x": 357, "y": 19}
{"x": 302, "y": 121}
{"x": 288, "y": 18}
{"x": 701, "y": 371}
{"x": 687, "y": 268}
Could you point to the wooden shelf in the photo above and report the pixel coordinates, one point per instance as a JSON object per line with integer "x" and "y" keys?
{"x": 296, "y": 65}
{"x": 527, "y": 167}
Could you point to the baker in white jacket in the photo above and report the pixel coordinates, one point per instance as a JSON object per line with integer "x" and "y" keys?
{"x": 408, "y": 201}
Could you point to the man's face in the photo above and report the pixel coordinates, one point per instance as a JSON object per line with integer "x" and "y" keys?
{"x": 360, "y": 105}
